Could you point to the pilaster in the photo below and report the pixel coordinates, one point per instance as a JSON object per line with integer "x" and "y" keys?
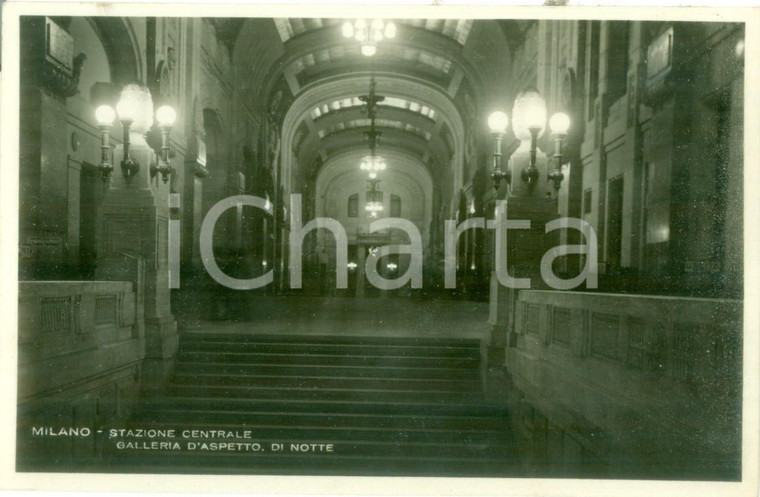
{"x": 134, "y": 219}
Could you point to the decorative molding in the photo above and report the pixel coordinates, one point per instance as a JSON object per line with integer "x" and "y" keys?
{"x": 55, "y": 315}
{"x": 59, "y": 81}
{"x": 105, "y": 310}
{"x": 659, "y": 68}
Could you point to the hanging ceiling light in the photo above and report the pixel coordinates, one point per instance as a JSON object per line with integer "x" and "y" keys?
{"x": 369, "y": 33}
{"x": 372, "y": 163}
{"x": 374, "y": 204}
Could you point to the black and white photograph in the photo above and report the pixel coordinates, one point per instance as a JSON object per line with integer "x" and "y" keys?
{"x": 346, "y": 242}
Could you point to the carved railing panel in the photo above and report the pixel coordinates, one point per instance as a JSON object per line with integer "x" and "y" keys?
{"x": 687, "y": 340}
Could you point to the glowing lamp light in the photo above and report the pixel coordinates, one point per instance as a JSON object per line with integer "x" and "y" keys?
{"x": 126, "y": 109}
{"x": 166, "y": 115}
{"x": 368, "y": 49}
{"x": 105, "y": 115}
{"x": 348, "y": 30}
{"x": 368, "y": 33}
{"x": 373, "y": 164}
{"x": 351, "y": 265}
{"x": 529, "y": 114}
{"x": 390, "y": 30}
{"x": 136, "y": 108}
{"x": 559, "y": 123}
{"x": 498, "y": 122}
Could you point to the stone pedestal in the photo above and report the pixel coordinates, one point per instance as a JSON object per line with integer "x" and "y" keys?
{"x": 524, "y": 249}
{"x": 134, "y": 220}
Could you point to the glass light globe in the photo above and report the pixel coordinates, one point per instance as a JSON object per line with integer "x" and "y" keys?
{"x": 136, "y": 106}
{"x": 372, "y": 175}
{"x": 559, "y": 123}
{"x": 166, "y": 115}
{"x": 361, "y": 23}
{"x": 348, "y": 30}
{"x": 105, "y": 115}
{"x": 377, "y": 24}
{"x": 368, "y": 50}
{"x": 390, "y": 30}
{"x": 498, "y": 122}
{"x": 529, "y": 113}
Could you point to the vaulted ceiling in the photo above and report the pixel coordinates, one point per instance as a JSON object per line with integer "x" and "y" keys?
{"x": 421, "y": 72}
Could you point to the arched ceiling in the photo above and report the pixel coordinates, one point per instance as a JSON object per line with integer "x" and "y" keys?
{"x": 420, "y": 72}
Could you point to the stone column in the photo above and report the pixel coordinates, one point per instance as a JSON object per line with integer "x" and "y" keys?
{"x": 361, "y": 253}
{"x": 134, "y": 220}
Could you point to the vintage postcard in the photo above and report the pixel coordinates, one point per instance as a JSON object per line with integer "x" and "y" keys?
{"x": 396, "y": 250}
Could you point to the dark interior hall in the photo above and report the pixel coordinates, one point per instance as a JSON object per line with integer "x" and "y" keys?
{"x": 260, "y": 237}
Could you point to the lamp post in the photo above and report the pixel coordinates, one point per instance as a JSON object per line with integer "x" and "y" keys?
{"x": 105, "y": 116}
{"x": 165, "y": 115}
{"x": 134, "y": 109}
{"x": 498, "y": 122}
{"x": 559, "y": 123}
{"x": 529, "y": 121}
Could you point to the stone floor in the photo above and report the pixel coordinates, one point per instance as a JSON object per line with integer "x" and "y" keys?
{"x": 392, "y": 316}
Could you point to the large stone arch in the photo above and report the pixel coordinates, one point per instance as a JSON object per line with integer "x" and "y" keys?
{"x": 388, "y": 85}
{"x": 121, "y": 45}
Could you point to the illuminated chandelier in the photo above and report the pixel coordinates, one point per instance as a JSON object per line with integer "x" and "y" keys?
{"x": 369, "y": 33}
{"x": 374, "y": 204}
{"x": 373, "y": 164}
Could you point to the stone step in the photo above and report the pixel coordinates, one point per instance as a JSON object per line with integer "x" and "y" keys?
{"x": 328, "y": 359}
{"x": 252, "y": 419}
{"x": 373, "y": 350}
{"x": 192, "y": 337}
{"x": 320, "y": 370}
{"x": 373, "y": 395}
{"x": 388, "y": 406}
{"x": 323, "y": 406}
{"x": 312, "y": 382}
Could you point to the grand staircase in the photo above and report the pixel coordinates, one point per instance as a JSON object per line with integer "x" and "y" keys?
{"x": 322, "y": 405}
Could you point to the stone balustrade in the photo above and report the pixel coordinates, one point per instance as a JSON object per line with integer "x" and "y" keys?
{"x": 631, "y": 379}
{"x": 81, "y": 346}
